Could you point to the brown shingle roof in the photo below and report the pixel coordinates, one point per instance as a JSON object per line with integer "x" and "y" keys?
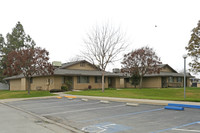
{"x": 66, "y": 72}
{"x": 167, "y": 74}
{"x": 69, "y": 72}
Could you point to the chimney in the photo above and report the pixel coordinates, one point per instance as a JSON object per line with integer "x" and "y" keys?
{"x": 56, "y": 64}
{"x": 116, "y": 70}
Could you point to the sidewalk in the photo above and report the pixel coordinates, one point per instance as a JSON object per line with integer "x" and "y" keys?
{"x": 131, "y": 100}
{"x": 20, "y": 99}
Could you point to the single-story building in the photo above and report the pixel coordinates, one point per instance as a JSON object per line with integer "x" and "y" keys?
{"x": 84, "y": 75}
{"x": 167, "y": 77}
{"x": 195, "y": 82}
{"x": 81, "y": 74}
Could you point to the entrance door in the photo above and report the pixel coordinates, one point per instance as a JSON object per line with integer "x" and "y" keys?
{"x": 110, "y": 82}
{"x": 69, "y": 82}
{"x": 164, "y": 82}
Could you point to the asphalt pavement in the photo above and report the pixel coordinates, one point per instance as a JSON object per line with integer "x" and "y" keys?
{"x": 95, "y": 116}
{"x": 16, "y": 121}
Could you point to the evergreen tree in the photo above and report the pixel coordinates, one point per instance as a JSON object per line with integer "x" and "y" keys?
{"x": 193, "y": 49}
{"x": 135, "y": 78}
{"x": 15, "y": 41}
{"x": 18, "y": 39}
{"x": 2, "y": 45}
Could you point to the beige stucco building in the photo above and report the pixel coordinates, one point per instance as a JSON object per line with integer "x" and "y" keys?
{"x": 83, "y": 75}
{"x": 167, "y": 77}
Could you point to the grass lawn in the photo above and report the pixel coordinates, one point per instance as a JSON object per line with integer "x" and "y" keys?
{"x": 192, "y": 94}
{"x": 4, "y": 94}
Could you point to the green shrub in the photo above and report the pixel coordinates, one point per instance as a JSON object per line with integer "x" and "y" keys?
{"x": 55, "y": 90}
{"x": 65, "y": 88}
{"x": 89, "y": 87}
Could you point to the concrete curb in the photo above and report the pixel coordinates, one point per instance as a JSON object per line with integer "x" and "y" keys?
{"x": 21, "y": 99}
{"x": 140, "y": 101}
{"x": 127, "y": 100}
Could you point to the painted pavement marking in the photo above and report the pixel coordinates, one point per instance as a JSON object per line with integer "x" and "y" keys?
{"x": 181, "y": 126}
{"x": 51, "y": 102}
{"x": 106, "y": 127}
{"x": 81, "y": 110}
{"x": 63, "y": 106}
{"x": 121, "y": 115}
{"x": 196, "y": 131}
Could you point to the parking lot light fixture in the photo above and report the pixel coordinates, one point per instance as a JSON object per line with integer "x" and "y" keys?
{"x": 184, "y": 57}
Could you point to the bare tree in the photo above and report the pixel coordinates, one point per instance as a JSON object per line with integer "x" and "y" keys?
{"x": 143, "y": 60}
{"x": 102, "y": 46}
{"x": 75, "y": 58}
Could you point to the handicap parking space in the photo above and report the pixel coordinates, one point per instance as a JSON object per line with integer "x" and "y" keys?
{"x": 193, "y": 127}
{"x": 94, "y": 116}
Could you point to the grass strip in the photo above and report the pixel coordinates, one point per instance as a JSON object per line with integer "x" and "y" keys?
{"x": 5, "y": 94}
{"x": 177, "y": 94}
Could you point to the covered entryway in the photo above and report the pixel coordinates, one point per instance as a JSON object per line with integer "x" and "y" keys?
{"x": 164, "y": 82}
{"x": 68, "y": 81}
{"x": 113, "y": 82}
{"x": 110, "y": 82}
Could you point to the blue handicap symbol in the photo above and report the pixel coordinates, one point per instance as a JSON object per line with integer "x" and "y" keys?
{"x": 106, "y": 127}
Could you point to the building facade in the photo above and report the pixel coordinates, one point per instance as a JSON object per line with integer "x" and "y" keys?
{"x": 84, "y": 75}
{"x": 80, "y": 75}
{"x": 167, "y": 77}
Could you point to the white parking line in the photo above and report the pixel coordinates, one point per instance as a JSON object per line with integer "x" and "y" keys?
{"x": 25, "y": 102}
{"x": 62, "y": 106}
{"x": 53, "y": 102}
{"x": 196, "y": 131}
{"x": 72, "y": 111}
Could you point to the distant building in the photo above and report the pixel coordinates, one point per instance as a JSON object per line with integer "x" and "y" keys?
{"x": 195, "y": 82}
{"x": 167, "y": 77}
{"x": 84, "y": 75}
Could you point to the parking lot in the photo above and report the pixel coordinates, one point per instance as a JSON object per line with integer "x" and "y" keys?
{"x": 96, "y": 116}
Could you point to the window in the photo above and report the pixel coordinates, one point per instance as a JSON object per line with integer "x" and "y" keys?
{"x": 179, "y": 79}
{"x": 67, "y": 79}
{"x": 99, "y": 79}
{"x": 31, "y": 80}
{"x": 126, "y": 80}
{"x": 82, "y": 64}
{"x": 63, "y": 80}
{"x": 83, "y": 79}
{"x": 171, "y": 79}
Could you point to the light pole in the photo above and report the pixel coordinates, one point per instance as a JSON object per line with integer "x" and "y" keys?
{"x": 184, "y": 57}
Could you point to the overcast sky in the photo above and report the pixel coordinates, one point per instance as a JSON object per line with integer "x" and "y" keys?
{"x": 61, "y": 25}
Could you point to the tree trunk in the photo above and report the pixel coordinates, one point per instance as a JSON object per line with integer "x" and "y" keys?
{"x": 29, "y": 87}
{"x": 141, "y": 82}
{"x": 102, "y": 81}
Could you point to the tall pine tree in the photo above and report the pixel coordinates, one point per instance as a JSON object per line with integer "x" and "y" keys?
{"x": 193, "y": 49}
{"x": 15, "y": 41}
